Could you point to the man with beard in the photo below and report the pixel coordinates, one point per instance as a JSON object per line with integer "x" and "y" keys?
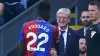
{"x": 82, "y": 46}
{"x": 86, "y": 23}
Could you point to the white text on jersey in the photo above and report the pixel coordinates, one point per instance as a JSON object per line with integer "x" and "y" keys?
{"x": 39, "y": 26}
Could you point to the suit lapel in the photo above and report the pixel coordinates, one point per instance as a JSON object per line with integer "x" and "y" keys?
{"x": 82, "y": 31}
{"x": 68, "y": 38}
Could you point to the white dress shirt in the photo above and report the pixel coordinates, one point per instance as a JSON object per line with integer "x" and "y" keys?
{"x": 64, "y": 35}
{"x": 84, "y": 31}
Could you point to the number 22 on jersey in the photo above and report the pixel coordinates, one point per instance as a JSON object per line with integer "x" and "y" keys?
{"x": 35, "y": 38}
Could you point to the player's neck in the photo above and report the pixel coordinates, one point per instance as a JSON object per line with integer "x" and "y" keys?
{"x": 63, "y": 28}
{"x": 96, "y": 21}
{"x": 40, "y": 18}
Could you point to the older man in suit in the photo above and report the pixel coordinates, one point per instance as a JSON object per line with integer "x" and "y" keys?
{"x": 67, "y": 37}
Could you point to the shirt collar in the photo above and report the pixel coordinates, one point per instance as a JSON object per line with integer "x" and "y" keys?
{"x": 63, "y": 30}
{"x": 86, "y": 28}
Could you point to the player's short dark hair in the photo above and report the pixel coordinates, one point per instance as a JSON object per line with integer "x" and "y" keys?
{"x": 95, "y": 3}
{"x": 43, "y": 6}
{"x": 82, "y": 37}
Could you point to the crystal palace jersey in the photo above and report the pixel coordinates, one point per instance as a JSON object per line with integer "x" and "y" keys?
{"x": 38, "y": 37}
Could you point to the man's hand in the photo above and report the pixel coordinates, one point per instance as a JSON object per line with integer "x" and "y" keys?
{"x": 53, "y": 52}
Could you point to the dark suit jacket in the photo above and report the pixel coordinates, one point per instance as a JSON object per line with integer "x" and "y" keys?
{"x": 80, "y": 32}
{"x": 71, "y": 45}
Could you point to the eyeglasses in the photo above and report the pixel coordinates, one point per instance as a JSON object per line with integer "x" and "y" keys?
{"x": 63, "y": 18}
{"x": 85, "y": 17}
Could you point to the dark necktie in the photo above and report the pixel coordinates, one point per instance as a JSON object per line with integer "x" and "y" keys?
{"x": 61, "y": 42}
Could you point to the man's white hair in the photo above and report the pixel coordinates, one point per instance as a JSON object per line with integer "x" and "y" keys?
{"x": 64, "y": 10}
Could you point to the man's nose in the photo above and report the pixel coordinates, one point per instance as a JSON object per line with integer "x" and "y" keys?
{"x": 62, "y": 19}
{"x": 90, "y": 12}
{"x": 83, "y": 45}
{"x": 85, "y": 19}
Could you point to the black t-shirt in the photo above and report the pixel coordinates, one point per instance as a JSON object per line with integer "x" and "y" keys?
{"x": 93, "y": 40}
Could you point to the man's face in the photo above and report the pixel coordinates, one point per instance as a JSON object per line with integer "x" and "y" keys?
{"x": 93, "y": 12}
{"x": 82, "y": 45}
{"x": 1, "y": 8}
{"x": 62, "y": 19}
{"x": 85, "y": 18}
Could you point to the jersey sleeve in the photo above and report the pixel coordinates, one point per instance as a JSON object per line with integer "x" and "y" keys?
{"x": 21, "y": 39}
{"x": 56, "y": 34}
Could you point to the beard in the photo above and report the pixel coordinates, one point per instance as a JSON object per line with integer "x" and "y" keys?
{"x": 82, "y": 52}
{"x": 86, "y": 23}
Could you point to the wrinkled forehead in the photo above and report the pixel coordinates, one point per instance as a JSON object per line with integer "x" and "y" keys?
{"x": 62, "y": 14}
{"x": 85, "y": 13}
{"x": 64, "y": 11}
{"x": 82, "y": 40}
{"x": 92, "y": 7}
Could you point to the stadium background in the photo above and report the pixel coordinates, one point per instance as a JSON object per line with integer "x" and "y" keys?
{"x": 9, "y": 32}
